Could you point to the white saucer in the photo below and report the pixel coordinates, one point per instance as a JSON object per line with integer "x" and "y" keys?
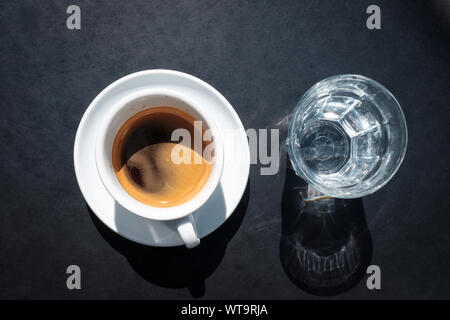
{"x": 223, "y": 201}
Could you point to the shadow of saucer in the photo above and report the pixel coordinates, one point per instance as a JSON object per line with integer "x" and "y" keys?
{"x": 325, "y": 246}
{"x": 178, "y": 267}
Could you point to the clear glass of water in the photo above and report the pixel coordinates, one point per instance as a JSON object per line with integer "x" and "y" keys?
{"x": 347, "y": 136}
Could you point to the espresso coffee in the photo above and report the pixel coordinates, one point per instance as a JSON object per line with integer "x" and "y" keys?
{"x": 142, "y": 158}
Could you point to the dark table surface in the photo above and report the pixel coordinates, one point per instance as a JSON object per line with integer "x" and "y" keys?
{"x": 262, "y": 56}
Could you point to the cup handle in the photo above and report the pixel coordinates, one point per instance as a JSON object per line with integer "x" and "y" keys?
{"x": 187, "y": 232}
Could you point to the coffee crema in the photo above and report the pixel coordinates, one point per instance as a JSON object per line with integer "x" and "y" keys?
{"x": 142, "y": 162}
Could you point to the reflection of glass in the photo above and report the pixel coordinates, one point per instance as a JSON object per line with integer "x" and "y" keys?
{"x": 347, "y": 136}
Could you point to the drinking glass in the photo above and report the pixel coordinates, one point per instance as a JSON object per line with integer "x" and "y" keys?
{"x": 347, "y": 136}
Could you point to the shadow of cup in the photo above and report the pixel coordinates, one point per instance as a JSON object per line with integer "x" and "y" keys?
{"x": 178, "y": 267}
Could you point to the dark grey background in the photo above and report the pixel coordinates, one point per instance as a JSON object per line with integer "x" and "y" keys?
{"x": 262, "y": 56}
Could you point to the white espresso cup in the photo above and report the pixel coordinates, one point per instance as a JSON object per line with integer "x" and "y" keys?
{"x": 180, "y": 214}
